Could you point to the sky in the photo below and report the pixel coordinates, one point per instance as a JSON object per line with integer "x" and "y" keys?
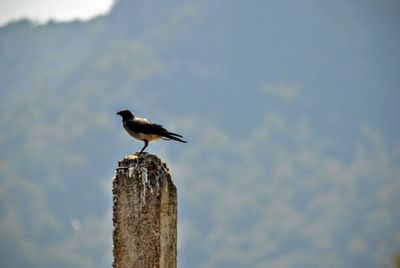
{"x": 44, "y": 10}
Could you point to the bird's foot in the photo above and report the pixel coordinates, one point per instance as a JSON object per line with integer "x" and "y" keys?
{"x": 140, "y": 155}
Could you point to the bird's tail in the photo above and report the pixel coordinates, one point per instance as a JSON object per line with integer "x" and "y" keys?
{"x": 173, "y": 136}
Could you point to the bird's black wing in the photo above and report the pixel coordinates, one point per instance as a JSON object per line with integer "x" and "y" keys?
{"x": 146, "y": 128}
{"x": 150, "y": 128}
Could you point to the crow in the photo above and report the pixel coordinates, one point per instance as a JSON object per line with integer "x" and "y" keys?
{"x": 142, "y": 129}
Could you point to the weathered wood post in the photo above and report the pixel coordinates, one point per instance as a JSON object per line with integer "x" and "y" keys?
{"x": 144, "y": 214}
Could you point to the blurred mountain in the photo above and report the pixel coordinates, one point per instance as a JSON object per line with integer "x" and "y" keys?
{"x": 290, "y": 109}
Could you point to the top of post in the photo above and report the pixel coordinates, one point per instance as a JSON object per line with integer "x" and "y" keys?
{"x": 145, "y": 173}
{"x": 137, "y": 160}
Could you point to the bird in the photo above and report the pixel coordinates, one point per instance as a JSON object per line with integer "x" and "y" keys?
{"x": 142, "y": 129}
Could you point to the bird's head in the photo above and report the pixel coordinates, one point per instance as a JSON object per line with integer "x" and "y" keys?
{"x": 125, "y": 114}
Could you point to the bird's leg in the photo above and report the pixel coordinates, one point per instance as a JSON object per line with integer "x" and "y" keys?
{"x": 145, "y": 145}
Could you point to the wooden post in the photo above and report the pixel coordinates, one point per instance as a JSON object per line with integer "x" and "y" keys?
{"x": 144, "y": 214}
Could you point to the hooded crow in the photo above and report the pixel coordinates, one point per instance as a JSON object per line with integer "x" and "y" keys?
{"x": 142, "y": 129}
